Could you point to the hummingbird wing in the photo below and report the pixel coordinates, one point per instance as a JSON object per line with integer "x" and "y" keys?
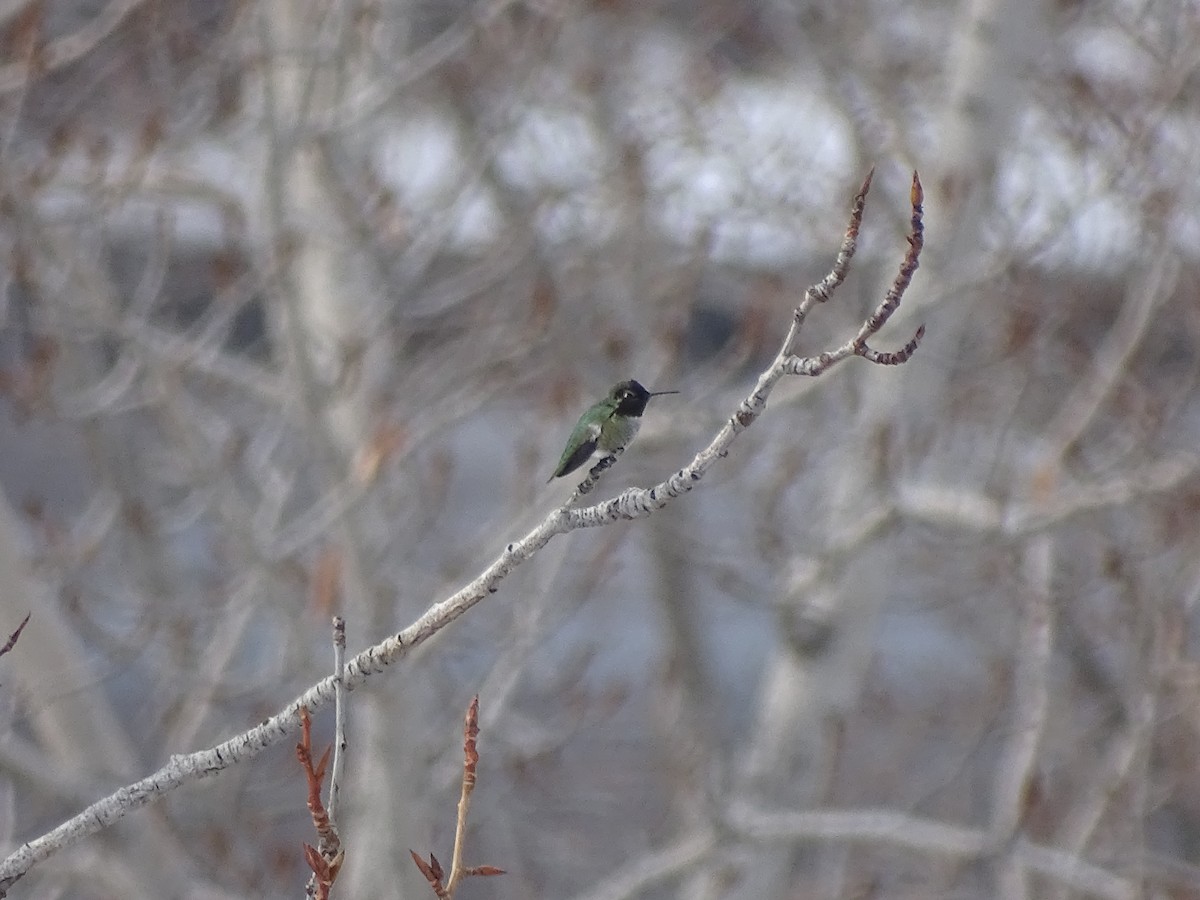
{"x": 580, "y": 447}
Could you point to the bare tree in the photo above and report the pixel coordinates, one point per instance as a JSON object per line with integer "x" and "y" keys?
{"x": 300, "y": 301}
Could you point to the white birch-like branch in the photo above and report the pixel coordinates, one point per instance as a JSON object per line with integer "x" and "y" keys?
{"x": 959, "y": 507}
{"x": 339, "y": 719}
{"x": 877, "y": 827}
{"x": 1016, "y": 767}
{"x": 655, "y": 867}
{"x": 886, "y": 827}
{"x": 630, "y": 504}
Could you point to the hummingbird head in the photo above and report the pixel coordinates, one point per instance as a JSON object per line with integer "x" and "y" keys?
{"x": 630, "y": 398}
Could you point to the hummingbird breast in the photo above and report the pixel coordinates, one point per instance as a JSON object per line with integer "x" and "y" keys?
{"x": 617, "y": 431}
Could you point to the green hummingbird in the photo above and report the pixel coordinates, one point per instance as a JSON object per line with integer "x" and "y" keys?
{"x": 607, "y": 426}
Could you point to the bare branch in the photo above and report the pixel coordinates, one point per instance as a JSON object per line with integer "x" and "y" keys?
{"x": 339, "y": 721}
{"x": 326, "y": 861}
{"x": 1015, "y": 773}
{"x": 961, "y": 507}
{"x": 655, "y": 867}
{"x": 470, "y": 762}
{"x": 12, "y": 638}
{"x": 68, "y": 48}
{"x": 458, "y": 870}
{"x": 631, "y": 504}
{"x": 882, "y": 826}
{"x": 891, "y": 300}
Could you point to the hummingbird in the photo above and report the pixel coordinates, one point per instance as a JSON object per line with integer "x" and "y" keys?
{"x": 608, "y": 425}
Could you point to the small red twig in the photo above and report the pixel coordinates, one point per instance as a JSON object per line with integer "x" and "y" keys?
{"x": 433, "y": 873}
{"x": 325, "y": 862}
{"x": 432, "y": 870}
{"x": 12, "y": 639}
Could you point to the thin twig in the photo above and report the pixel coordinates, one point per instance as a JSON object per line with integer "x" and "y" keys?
{"x": 326, "y": 858}
{"x": 12, "y": 638}
{"x": 1015, "y": 771}
{"x": 339, "y": 717}
{"x": 470, "y": 762}
{"x": 1111, "y": 359}
{"x": 432, "y": 870}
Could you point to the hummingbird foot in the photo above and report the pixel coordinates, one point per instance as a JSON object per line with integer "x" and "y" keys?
{"x": 593, "y": 476}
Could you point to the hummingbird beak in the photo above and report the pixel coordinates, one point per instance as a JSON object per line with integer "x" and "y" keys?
{"x": 660, "y": 393}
